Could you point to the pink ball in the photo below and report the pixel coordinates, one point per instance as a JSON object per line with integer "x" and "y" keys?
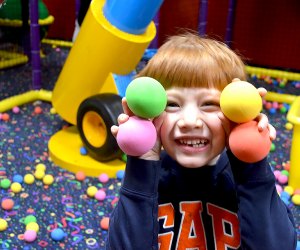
{"x": 278, "y": 188}
{"x": 30, "y": 235}
{"x": 136, "y": 136}
{"x": 103, "y": 178}
{"x": 283, "y": 179}
{"x": 277, "y": 173}
{"x": 100, "y": 195}
{"x": 248, "y": 144}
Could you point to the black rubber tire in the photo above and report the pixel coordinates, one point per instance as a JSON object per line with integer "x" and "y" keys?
{"x": 108, "y": 107}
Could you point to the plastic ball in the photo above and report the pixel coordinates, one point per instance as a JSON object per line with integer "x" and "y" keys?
{"x": 3, "y": 225}
{"x": 39, "y": 174}
{"x": 29, "y": 179}
{"x": 32, "y": 226}
{"x": 249, "y": 144}
{"x": 48, "y": 179}
{"x": 7, "y": 204}
{"x": 282, "y": 179}
{"x": 29, "y": 218}
{"x": 146, "y": 97}
{"x": 120, "y": 174}
{"x": 83, "y": 151}
{"x": 289, "y": 126}
{"x": 297, "y": 191}
{"x": 16, "y": 187}
{"x": 91, "y": 191}
{"x": 58, "y": 234}
{"x": 100, "y": 195}
{"x": 276, "y": 173}
{"x": 40, "y": 166}
{"x": 104, "y": 223}
{"x": 80, "y": 176}
{"x": 240, "y": 102}
{"x": 18, "y": 178}
{"x": 38, "y": 110}
{"x": 30, "y": 235}
{"x": 296, "y": 199}
{"x": 16, "y": 110}
{"x": 5, "y": 117}
{"x": 289, "y": 190}
{"x": 5, "y": 183}
{"x": 273, "y": 147}
{"x": 136, "y": 136}
{"x": 103, "y": 178}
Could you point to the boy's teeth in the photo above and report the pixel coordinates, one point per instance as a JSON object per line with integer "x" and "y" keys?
{"x": 194, "y": 143}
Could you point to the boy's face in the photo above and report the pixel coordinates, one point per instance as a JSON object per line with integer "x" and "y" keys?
{"x": 191, "y": 132}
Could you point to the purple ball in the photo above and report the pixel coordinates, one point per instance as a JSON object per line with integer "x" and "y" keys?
{"x": 136, "y": 136}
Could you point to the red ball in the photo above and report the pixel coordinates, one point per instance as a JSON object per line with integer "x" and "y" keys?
{"x": 249, "y": 144}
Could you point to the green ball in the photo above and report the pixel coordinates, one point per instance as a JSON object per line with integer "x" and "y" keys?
{"x": 146, "y": 97}
{"x": 29, "y": 218}
{"x": 5, "y": 183}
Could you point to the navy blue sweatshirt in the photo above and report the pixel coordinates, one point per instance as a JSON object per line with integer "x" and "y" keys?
{"x": 231, "y": 205}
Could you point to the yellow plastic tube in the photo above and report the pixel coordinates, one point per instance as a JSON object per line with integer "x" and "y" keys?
{"x": 293, "y": 116}
{"x": 99, "y": 50}
{"x": 24, "y": 98}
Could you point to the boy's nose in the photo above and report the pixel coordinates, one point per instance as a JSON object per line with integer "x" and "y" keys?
{"x": 189, "y": 121}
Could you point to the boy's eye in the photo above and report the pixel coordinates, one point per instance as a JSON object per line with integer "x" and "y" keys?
{"x": 172, "y": 104}
{"x": 211, "y": 104}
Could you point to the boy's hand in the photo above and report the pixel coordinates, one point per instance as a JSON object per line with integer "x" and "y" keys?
{"x": 154, "y": 153}
{"x": 262, "y": 119}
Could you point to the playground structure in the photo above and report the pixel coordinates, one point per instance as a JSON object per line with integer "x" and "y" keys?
{"x": 14, "y": 24}
{"x": 127, "y": 46}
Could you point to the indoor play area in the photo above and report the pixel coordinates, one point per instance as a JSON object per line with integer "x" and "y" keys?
{"x": 63, "y": 71}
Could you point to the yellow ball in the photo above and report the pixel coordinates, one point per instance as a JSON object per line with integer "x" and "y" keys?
{"x": 288, "y": 126}
{"x": 296, "y": 199}
{"x": 289, "y": 190}
{"x": 29, "y": 179}
{"x": 48, "y": 179}
{"x": 91, "y": 191}
{"x": 3, "y": 225}
{"x": 32, "y": 226}
{"x": 40, "y": 166}
{"x": 39, "y": 174}
{"x": 16, "y": 187}
{"x": 240, "y": 102}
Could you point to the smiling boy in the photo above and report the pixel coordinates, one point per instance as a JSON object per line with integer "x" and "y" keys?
{"x": 190, "y": 191}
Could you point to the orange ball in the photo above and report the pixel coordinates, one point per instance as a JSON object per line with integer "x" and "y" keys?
{"x": 38, "y": 110}
{"x": 7, "y": 204}
{"x": 5, "y": 117}
{"x": 249, "y": 144}
{"x": 104, "y": 223}
{"x": 80, "y": 176}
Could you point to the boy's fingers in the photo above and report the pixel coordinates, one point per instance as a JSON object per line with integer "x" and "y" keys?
{"x": 272, "y": 132}
{"x": 122, "y": 118}
{"x": 114, "y": 130}
{"x": 126, "y": 108}
{"x": 263, "y": 121}
{"x": 262, "y": 91}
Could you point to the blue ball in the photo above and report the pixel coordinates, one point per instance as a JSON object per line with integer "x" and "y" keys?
{"x": 298, "y": 245}
{"x": 83, "y": 151}
{"x": 57, "y": 234}
{"x": 120, "y": 174}
{"x": 18, "y": 178}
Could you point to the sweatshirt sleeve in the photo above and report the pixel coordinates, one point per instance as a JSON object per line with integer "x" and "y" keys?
{"x": 265, "y": 221}
{"x": 133, "y": 223}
